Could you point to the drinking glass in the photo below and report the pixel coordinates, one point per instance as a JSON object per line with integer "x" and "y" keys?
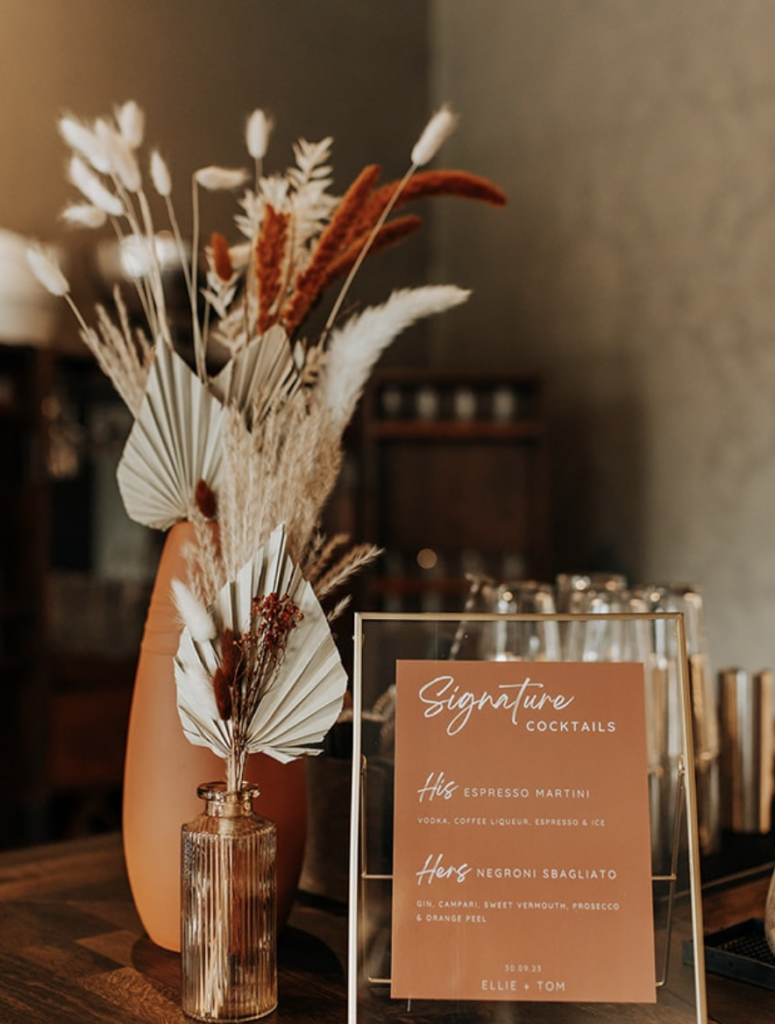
{"x": 506, "y": 639}
{"x": 569, "y": 586}
{"x": 687, "y": 600}
{"x": 571, "y": 590}
{"x": 603, "y": 633}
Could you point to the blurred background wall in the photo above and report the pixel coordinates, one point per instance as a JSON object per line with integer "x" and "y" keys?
{"x": 633, "y": 267}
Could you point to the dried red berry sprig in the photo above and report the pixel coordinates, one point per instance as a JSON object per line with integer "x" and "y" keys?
{"x": 274, "y": 618}
{"x": 249, "y": 662}
{"x": 270, "y": 257}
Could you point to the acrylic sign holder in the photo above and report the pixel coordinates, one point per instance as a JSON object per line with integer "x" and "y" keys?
{"x": 382, "y": 641}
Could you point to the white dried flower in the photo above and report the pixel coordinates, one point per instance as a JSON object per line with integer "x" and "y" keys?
{"x": 437, "y": 130}
{"x": 160, "y": 175}
{"x": 84, "y": 141}
{"x": 44, "y": 266}
{"x": 90, "y": 185}
{"x": 84, "y": 215}
{"x": 137, "y": 255}
{"x": 240, "y": 255}
{"x": 131, "y": 123}
{"x": 123, "y": 163}
{"x": 217, "y": 179}
{"x": 257, "y": 134}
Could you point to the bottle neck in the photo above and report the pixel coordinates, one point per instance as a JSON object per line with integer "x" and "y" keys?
{"x": 222, "y": 803}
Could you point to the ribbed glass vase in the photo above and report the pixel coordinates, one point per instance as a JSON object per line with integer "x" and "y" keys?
{"x": 228, "y": 926}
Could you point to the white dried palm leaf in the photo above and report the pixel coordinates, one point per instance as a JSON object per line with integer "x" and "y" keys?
{"x": 306, "y": 693}
{"x": 259, "y": 373}
{"x": 174, "y": 443}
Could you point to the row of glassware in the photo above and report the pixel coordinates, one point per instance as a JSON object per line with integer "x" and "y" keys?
{"x": 501, "y": 403}
{"x": 592, "y": 594}
{"x": 612, "y": 627}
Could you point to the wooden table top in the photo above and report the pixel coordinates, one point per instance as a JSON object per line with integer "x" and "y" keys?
{"x": 72, "y": 948}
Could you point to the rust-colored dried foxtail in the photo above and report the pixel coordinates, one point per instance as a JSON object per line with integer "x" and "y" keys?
{"x": 270, "y": 258}
{"x": 222, "y": 692}
{"x": 426, "y": 184}
{"x": 336, "y": 237}
{"x": 205, "y": 499}
{"x": 391, "y": 233}
{"x": 222, "y": 264}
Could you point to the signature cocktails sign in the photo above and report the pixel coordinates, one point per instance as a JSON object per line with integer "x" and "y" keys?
{"x": 522, "y": 865}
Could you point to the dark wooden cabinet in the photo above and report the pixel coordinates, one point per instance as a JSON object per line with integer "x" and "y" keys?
{"x": 100, "y": 572}
{"x": 452, "y": 481}
{"x": 25, "y": 374}
{"x": 68, "y": 638}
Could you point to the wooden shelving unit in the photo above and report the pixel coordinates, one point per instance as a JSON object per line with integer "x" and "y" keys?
{"x": 25, "y": 374}
{"x": 64, "y": 709}
{"x": 95, "y": 619}
{"x": 452, "y": 479}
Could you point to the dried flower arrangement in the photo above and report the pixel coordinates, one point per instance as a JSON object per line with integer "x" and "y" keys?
{"x": 249, "y": 680}
{"x": 255, "y": 445}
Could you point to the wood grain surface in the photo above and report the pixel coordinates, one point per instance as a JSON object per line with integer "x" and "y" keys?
{"x": 72, "y": 950}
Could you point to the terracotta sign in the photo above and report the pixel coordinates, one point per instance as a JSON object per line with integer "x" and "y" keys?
{"x": 522, "y": 866}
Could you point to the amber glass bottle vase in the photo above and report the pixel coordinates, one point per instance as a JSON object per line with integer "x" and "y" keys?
{"x": 228, "y": 913}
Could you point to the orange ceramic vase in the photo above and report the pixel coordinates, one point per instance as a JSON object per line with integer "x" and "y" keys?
{"x": 163, "y": 770}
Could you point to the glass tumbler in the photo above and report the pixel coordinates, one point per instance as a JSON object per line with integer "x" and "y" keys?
{"x": 524, "y": 639}
{"x": 687, "y": 599}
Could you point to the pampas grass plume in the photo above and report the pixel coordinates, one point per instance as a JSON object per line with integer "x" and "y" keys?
{"x": 355, "y": 347}
{"x": 240, "y": 255}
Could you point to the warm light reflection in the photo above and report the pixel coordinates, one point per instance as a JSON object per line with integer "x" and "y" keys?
{"x": 427, "y": 558}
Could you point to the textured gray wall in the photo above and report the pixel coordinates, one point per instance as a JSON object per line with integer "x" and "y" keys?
{"x": 635, "y": 269}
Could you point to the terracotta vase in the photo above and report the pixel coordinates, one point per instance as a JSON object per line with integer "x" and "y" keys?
{"x": 163, "y": 770}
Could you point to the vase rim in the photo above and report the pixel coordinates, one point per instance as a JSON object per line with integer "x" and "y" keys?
{"x": 218, "y": 792}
